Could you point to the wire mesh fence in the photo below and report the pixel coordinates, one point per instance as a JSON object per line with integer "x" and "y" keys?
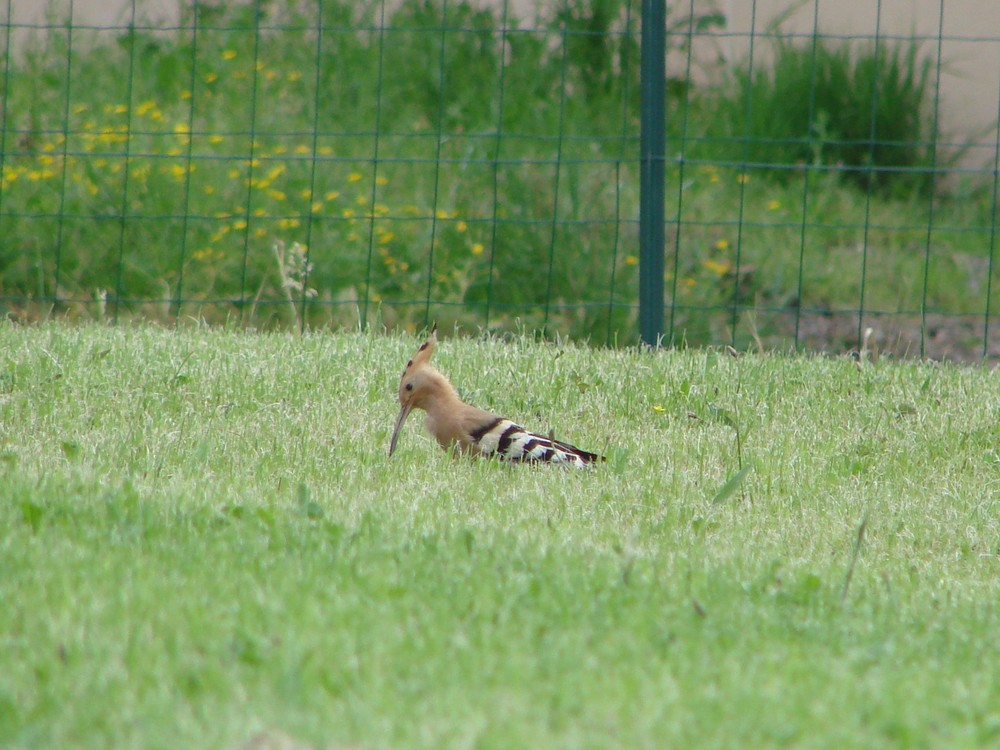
{"x": 477, "y": 164}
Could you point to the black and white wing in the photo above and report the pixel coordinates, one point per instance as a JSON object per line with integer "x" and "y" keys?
{"x": 509, "y": 441}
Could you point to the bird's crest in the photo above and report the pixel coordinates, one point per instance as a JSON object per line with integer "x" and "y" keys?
{"x": 424, "y": 353}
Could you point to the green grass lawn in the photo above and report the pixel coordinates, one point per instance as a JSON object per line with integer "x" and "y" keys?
{"x": 203, "y": 539}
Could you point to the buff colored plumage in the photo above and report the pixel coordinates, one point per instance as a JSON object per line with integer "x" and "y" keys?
{"x": 455, "y": 424}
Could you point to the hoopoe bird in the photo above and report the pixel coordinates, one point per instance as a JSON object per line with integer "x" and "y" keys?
{"x": 458, "y": 425}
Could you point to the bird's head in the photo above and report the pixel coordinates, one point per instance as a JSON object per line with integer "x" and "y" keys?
{"x": 418, "y": 384}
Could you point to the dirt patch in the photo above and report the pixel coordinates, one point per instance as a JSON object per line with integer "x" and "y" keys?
{"x": 958, "y": 338}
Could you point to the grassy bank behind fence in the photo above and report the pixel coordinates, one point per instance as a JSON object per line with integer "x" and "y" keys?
{"x": 442, "y": 162}
{"x": 204, "y": 542}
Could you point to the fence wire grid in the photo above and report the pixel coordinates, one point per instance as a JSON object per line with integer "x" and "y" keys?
{"x": 477, "y": 164}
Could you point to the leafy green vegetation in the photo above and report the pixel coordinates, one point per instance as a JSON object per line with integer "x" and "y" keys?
{"x": 867, "y": 111}
{"x": 203, "y": 541}
{"x": 458, "y": 164}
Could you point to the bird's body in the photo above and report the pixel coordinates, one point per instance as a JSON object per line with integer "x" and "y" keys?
{"x": 457, "y": 425}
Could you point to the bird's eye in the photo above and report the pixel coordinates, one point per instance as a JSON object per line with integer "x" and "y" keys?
{"x": 409, "y": 386}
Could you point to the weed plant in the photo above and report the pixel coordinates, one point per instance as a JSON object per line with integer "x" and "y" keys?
{"x": 867, "y": 109}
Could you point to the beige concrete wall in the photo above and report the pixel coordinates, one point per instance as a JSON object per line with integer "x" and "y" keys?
{"x": 93, "y": 12}
{"x": 970, "y": 82}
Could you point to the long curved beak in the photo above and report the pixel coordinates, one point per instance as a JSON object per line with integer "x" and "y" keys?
{"x": 403, "y": 414}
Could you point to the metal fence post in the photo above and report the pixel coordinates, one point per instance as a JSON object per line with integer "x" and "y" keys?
{"x": 652, "y": 149}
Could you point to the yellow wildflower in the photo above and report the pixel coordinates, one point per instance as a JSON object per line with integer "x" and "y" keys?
{"x": 715, "y": 266}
